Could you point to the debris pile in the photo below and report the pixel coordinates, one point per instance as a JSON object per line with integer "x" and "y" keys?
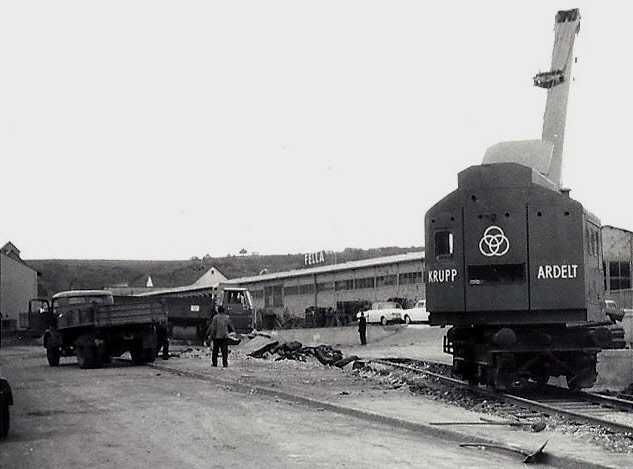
{"x": 297, "y": 351}
{"x": 190, "y": 352}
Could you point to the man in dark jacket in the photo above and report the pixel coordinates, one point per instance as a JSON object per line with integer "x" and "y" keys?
{"x": 218, "y": 331}
{"x": 362, "y": 328}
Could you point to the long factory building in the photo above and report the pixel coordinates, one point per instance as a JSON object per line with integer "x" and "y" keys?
{"x": 400, "y": 276}
{"x": 346, "y": 285}
{"x": 337, "y": 286}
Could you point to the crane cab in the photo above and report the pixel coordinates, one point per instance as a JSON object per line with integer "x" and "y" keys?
{"x": 503, "y": 248}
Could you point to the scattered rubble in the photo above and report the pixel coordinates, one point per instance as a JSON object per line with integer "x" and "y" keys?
{"x": 296, "y": 351}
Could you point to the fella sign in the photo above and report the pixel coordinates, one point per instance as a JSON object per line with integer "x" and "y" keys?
{"x": 314, "y": 258}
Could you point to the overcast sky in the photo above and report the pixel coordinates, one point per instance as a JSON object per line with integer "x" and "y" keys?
{"x": 166, "y": 130}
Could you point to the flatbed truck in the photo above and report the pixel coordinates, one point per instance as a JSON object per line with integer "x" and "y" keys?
{"x": 90, "y": 325}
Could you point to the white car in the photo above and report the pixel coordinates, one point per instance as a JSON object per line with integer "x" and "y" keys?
{"x": 416, "y": 314}
{"x": 383, "y": 312}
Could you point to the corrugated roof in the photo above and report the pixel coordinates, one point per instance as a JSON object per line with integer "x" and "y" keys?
{"x": 376, "y": 261}
{"x": 410, "y": 256}
{"x": 185, "y": 289}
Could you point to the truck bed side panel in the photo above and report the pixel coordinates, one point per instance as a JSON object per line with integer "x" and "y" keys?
{"x": 111, "y": 315}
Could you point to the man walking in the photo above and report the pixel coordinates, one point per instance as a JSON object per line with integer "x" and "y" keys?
{"x": 362, "y": 328}
{"x": 218, "y": 331}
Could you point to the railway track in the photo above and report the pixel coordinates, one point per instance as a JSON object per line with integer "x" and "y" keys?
{"x": 612, "y": 413}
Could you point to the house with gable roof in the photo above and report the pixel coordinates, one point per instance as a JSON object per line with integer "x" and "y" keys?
{"x": 18, "y": 284}
{"x": 212, "y": 277}
{"x": 203, "y": 285}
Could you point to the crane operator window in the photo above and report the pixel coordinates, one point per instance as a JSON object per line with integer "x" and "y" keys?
{"x": 443, "y": 244}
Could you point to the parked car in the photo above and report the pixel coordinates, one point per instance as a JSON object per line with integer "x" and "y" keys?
{"x": 613, "y": 311}
{"x": 6, "y": 399}
{"x": 383, "y": 312}
{"x": 416, "y": 314}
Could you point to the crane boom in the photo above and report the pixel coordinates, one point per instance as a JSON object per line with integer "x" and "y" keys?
{"x": 545, "y": 156}
{"x": 557, "y": 82}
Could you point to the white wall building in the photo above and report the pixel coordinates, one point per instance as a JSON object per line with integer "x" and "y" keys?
{"x": 18, "y": 284}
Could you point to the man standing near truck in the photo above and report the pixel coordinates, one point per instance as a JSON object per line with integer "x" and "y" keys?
{"x": 218, "y": 331}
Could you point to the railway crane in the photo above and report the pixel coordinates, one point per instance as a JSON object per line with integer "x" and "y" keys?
{"x": 514, "y": 264}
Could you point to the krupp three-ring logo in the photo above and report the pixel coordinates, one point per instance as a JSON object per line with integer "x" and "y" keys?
{"x": 494, "y": 242}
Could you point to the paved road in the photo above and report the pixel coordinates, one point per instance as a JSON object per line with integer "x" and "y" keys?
{"x": 125, "y": 416}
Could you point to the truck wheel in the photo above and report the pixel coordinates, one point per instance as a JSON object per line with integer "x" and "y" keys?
{"x": 149, "y": 355}
{"x": 383, "y": 321}
{"x": 5, "y": 421}
{"x": 407, "y": 319}
{"x": 52, "y": 355}
{"x": 137, "y": 355}
{"x": 141, "y": 355}
{"x": 85, "y": 356}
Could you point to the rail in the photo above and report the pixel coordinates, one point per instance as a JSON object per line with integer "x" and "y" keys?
{"x": 586, "y": 407}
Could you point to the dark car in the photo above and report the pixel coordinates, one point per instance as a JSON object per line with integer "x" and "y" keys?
{"x": 6, "y": 399}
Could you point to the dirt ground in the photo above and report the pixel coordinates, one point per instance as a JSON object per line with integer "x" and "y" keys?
{"x": 256, "y": 413}
{"x": 351, "y": 390}
{"x": 127, "y": 416}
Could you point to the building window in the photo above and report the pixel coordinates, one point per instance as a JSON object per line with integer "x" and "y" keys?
{"x": 268, "y": 297}
{"x": 385, "y": 280}
{"x": 294, "y": 290}
{"x": 367, "y": 282}
{"x": 340, "y": 285}
{"x": 619, "y": 276}
{"x": 273, "y": 296}
{"x": 325, "y": 286}
{"x": 306, "y": 289}
{"x": 410, "y": 278}
{"x": 257, "y": 294}
{"x": 278, "y": 299}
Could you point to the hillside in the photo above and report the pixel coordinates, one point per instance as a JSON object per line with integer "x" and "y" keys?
{"x": 58, "y": 275}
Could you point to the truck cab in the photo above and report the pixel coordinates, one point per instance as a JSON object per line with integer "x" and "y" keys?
{"x": 238, "y": 304}
{"x": 40, "y": 316}
{"x": 68, "y": 300}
